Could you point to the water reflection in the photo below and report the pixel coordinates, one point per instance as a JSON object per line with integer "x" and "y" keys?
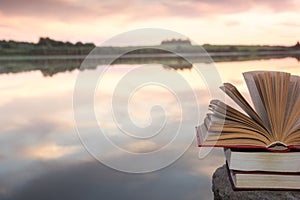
{"x": 42, "y": 158}
{"x": 51, "y": 65}
{"x": 89, "y": 180}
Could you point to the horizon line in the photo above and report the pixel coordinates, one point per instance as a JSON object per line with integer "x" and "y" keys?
{"x": 154, "y": 44}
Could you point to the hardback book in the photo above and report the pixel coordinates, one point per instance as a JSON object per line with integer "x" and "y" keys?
{"x": 262, "y": 160}
{"x": 273, "y": 123}
{"x": 246, "y": 180}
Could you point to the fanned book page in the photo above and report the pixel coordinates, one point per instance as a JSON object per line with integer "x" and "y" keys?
{"x": 273, "y": 123}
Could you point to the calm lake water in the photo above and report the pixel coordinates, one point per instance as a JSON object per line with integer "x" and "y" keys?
{"x": 42, "y": 156}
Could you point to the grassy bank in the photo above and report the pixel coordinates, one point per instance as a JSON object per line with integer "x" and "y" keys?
{"x": 47, "y": 46}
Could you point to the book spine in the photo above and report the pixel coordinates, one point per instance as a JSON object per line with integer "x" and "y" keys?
{"x": 266, "y": 173}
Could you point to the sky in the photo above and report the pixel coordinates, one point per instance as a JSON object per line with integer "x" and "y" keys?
{"x": 274, "y": 22}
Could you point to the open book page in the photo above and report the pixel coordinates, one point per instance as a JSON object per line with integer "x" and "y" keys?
{"x": 274, "y": 90}
{"x": 293, "y": 123}
{"x": 222, "y": 110}
{"x": 216, "y": 124}
{"x": 237, "y": 97}
{"x": 280, "y": 105}
{"x": 274, "y": 93}
{"x": 292, "y": 114}
{"x": 232, "y": 139}
{"x": 255, "y": 94}
{"x": 228, "y": 126}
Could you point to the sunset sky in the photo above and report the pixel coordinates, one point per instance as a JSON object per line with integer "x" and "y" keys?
{"x": 204, "y": 21}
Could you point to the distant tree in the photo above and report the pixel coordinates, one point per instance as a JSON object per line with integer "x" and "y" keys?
{"x": 176, "y": 42}
{"x": 51, "y": 43}
{"x": 68, "y": 44}
{"x": 79, "y": 44}
{"x": 8, "y": 44}
{"x": 232, "y": 48}
{"x": 4, "y": 44}
{"x": 89, "y": 45}
{"x": 44, "y": 42}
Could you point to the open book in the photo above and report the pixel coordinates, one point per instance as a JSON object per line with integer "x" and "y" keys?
{"x": 273, "y": 124}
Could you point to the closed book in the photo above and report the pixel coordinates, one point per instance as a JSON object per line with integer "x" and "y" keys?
{"x": 262, "y": 160}
{"x": 247, "y": 180}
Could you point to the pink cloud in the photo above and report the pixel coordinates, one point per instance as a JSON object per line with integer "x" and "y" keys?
{"x": 76, "y": 10}
{"x": 93, "y": 19}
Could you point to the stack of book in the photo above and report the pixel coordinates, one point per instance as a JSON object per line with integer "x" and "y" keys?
{"x": 250, "y": 169}
{"x": 261, "y": 144}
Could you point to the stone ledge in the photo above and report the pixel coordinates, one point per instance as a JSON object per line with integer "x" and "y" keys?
{"x": 222, "y": 190}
